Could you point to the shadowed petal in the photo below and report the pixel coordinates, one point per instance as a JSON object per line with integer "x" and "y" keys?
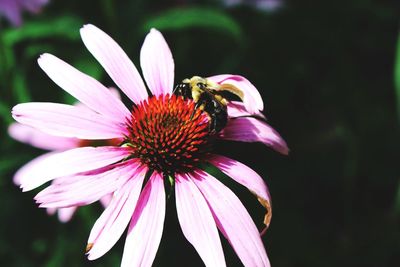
{"x": 252, "y": 98}
{"x": 145, "y": 229}
{"x": 83, "y": 189}
{"x": 67, "y": 121}
{"x": 36, "y": 138}
{"x": 233, "y": 220}
{"x": 246, "y": 177}
{"x": 65, "y": 214}
{"x": 69, "y": 162}
{"x": 253, "y": 130}
{"x": 115, "y": 61}
{"x": 11, "y": 11}
{"x": 157, "y": 63}
{"x": 112, "y": 223}
{"x": 197, "y": 222}
{"x": 237, "y": 109}
{"x": 34, "y": 5}
{"x": 84, "y": 88}
{"x": 105, "y": 201}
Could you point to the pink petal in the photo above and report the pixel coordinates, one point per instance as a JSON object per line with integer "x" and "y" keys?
{"x": 36, "y": 138}
{"x": 105, "y": 201}
{"x": 24, "y": 173}
{"x": 65, "y": 214}
{"x": 84, "y": 189}
{"x": 197, "y": 222}
{"x": 84, "y": 88}
{"x": 237, "y": 109}
{"x": 67, "y": 121}
{"x": 115, "y": 61}
{"x": 145, "y": 229}
{"x": 51, "y": 211}
{"x": 252, "y": 98}
{"x": 157, "y": 63}
{"x": 248, "y": 178}
{"x": 11, "y": 11}
{"x": 33, "y": 6}
{"x": 69, "y": 162}
{"x": 112, "y": 223}
{"x": 233, "y": 220}
{"x": 253, "y": 130}
{"x": 115, "y": 92}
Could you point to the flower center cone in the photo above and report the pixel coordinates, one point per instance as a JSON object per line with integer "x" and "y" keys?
{"x": 168, "y": 134}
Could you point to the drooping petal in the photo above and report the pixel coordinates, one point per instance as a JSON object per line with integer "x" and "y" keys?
{"x": 67, "y": 121}
{"x": 237, "y": 109}
{"x": 252, "y": 98}
{"x": 69, "y": 162}
{"x": 36, "y": 138}
{"x": 83, "y": 189}
{"x": 253, "y": 130}
{"x": 233, "y": 220}
{"x": 84, "y": 88}
{"x": 197, "y": 222}
{"x": 65, "y": 214}
{"x": 246, "y": 177}
{"x": 146, "y": 226}
{"x": 115, "y": 61}
{"x": 114, "y": 220}
{"x": 157, "y": 63}
{"x": 24, "y": 173}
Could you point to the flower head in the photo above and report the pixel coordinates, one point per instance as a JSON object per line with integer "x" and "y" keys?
{"x": 168, "y": 134}
{"x": 164, "y": 137}
{"x": 12, "y": 9}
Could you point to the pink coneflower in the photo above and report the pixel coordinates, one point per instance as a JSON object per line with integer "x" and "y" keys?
{"x": 12, "y": 9}
{"x": 165, "y": 140}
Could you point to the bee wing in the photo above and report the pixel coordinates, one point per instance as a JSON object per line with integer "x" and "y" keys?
{"x": 231, "y": 89}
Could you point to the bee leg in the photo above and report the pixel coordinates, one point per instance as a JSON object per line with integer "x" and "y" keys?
{"x": 198, "y": 105}
{"x": 212, "y": 126}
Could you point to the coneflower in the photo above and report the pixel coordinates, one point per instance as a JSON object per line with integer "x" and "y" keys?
{"x": 165, "y": 140}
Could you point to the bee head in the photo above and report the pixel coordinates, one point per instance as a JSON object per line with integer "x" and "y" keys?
{"x": 183, "y": 89}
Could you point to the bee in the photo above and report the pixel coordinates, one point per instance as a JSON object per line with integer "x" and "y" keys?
{"x": 206, "y": 96}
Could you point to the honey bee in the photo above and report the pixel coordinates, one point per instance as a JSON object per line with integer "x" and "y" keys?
{"x": 206, "y": 96}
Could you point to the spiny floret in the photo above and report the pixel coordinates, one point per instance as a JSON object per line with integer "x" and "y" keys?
{"x": 168, "y": 134}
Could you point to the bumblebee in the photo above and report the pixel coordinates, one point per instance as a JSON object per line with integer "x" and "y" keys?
{"x": 206, "y": 96}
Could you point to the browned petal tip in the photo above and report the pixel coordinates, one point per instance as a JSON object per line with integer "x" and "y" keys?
{"x": 268, "y": 214}
{"x": 88, "y": 247}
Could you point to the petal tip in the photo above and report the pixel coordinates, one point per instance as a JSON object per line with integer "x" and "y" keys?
{"x": 154, "y": 31}
{"x": 44, "y": 56}
{"x": 87, "y": 26}
{"x": 89, "y": 246}
{"x": 284, "y": 150}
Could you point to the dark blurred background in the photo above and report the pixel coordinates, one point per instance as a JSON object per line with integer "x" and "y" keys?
{"x": 326, "y": 71}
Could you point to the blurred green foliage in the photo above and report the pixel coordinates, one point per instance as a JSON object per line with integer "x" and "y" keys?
{"x": 397, "y": 75}
{"x": 196, "y": 17}
{"x": 325, "y": 72}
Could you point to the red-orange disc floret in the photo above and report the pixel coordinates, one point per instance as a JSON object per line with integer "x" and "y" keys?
{"x": 168, "y": 134}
